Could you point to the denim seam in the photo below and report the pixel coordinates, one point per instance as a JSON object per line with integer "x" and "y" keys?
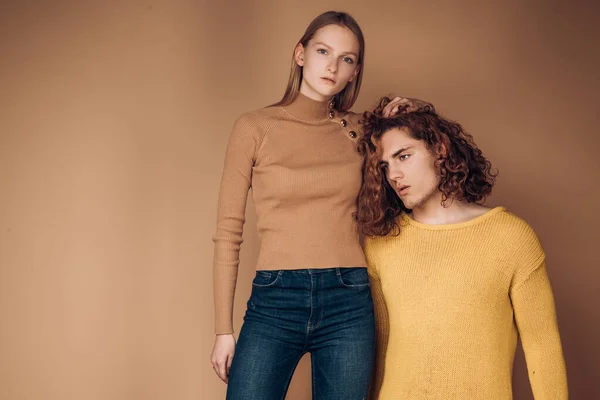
{"x": 339, "y": 276}
{"x": 272, "y": 283}
{"x": 314, "y": 385}
{"x": 308, "y": 327}
{"x": 320, "y": 319}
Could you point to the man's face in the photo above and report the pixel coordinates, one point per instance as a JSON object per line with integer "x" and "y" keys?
{"x": 409, "y": 168}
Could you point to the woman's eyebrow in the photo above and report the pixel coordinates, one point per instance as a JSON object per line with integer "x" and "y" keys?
{"x": 331, "y": 48}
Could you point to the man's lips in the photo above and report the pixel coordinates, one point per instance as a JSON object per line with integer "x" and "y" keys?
{"x": 402, "y": 189}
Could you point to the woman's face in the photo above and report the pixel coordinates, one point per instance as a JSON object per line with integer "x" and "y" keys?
{"x": 329, "y": 61}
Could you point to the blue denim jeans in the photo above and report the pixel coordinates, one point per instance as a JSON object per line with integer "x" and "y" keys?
{"x": 325, "y": 312}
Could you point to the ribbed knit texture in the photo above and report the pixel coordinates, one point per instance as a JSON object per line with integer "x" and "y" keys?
{"x": 305, "y": 174}
{"x": 450, "y": 301}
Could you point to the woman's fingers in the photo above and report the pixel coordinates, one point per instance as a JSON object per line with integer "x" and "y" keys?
{"x": 229, "y": 359}
{"x": 221, "y": 371}
{"x": 396, "y": 105}
{"x": 222, "y": 355}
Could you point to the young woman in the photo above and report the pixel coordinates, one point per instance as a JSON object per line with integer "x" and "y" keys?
{"x": 311, "y": 291}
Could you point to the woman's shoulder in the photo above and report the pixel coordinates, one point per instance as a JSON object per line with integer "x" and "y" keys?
{"x": 259, "y": 114}
{"x": 352, "y": 117}
{"x": 353, "y": 123}
{"x": 256, "y": 120}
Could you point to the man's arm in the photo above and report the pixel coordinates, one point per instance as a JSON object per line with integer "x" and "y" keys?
{"x": 535, "y": 315}
{"x": 382, "y": 327}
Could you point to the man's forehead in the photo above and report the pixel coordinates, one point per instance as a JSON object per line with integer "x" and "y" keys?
{"x": 396, "y": 137}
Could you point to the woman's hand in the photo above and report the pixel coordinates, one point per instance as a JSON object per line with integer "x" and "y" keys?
{"x": 222, "y": 355}
{"x": 404, "y": 104}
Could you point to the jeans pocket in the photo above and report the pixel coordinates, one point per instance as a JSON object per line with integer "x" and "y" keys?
{"x": 266, "y": 278}
{"x": 353, "y": 277}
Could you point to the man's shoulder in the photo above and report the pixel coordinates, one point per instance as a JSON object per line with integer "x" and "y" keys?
{"x": 509, "y": 224}
{"x": 377, "y": 243}
{"x": 517, "y": 239}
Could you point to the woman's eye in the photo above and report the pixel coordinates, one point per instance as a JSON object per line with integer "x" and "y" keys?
{"x": 321, "y": 51}
{"x": 348, "y": 60}
{"x": 404, "y": 157}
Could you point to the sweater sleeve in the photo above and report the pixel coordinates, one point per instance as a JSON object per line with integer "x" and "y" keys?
{"x": 535, "y": 315}
{"x": 382, "y": 327}
{"x": 233, "y": 194}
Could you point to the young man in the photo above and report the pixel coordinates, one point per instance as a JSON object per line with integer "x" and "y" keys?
{"x": 454, "y": 283}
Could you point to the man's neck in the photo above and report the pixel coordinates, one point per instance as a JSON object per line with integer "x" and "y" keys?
{"x": 431, "y": 212}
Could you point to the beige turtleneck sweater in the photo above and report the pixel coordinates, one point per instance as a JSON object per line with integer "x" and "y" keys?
{"x": 303, "y": 167}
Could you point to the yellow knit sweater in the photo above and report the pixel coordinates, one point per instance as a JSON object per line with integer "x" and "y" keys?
{"x": 450, "y": 301}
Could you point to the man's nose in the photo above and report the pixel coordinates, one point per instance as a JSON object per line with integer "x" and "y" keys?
{"x": 395, "y": 174}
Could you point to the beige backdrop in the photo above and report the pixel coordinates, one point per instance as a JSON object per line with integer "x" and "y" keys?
{"x": 113, "y": 126}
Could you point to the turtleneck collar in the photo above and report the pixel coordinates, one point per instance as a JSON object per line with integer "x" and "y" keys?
{"x": 308, "y": 109}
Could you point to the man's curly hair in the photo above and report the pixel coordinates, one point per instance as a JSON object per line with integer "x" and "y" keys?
{"x": 465, "y": 174}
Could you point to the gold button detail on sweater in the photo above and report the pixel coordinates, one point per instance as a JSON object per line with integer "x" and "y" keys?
{"x": 331, "y": 114}
{"x": 352, "y": 134}
{"x": 343, "y": 122}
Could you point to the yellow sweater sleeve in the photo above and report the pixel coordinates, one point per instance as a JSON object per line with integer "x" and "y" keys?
{"x": 535, "y": 315}
{"x": 382, "y": 328}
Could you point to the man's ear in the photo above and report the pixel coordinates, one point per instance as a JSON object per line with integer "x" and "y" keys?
{"x": 443, "y": 150}
{"x": 299, "y": 55}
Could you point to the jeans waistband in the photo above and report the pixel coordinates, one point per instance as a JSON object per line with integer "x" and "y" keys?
{"x": 312, "y": 271}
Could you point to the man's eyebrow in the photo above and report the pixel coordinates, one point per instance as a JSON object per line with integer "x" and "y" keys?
{"x": 400, "y": 151}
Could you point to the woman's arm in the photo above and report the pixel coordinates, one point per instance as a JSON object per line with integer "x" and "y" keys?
{"x": 235, "y": 183}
